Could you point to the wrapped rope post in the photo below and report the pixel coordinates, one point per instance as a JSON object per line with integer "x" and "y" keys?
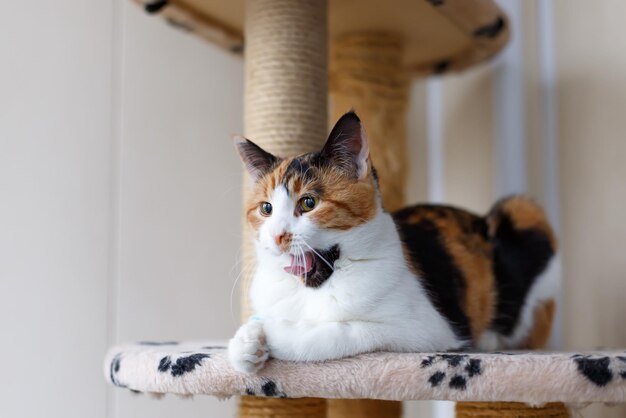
{"x": 367, "y": 74}
{"x": 509, "y": 410}
{"x": 285, "y": 112}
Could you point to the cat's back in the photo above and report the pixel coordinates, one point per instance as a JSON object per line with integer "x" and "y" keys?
{"x": 449, "y": 250}
{"x": 479, "y": 270}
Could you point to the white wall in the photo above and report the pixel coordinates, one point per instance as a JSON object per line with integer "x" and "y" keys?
{"x": 55, "y": 211}
{"x": 179, "y": 195}
{"x": 119, "y": 201}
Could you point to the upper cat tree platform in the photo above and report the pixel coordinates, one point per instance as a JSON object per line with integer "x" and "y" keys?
{"x": 535, "y": 378}
{"x": 440, "y": 35}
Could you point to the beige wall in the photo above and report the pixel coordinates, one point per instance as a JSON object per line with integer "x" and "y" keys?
{"x": 591, "y": 62}
{"x": 119, "y": 202}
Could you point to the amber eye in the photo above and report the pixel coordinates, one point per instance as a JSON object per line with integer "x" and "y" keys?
{"x": 308, "y": 203}
{"x": 266, "y": 208}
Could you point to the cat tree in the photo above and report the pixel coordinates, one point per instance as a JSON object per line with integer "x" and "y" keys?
{"x": 376, "y": 47}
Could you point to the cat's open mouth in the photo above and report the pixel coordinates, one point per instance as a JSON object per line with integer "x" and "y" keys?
{"x": 317, "y": 265}
{"x": 300, "y": 264}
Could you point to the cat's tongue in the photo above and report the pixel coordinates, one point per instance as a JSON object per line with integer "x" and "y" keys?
{"x": 300, "y": 265}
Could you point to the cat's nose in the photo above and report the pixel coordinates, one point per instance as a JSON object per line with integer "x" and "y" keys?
{"x": 283, "y": 240}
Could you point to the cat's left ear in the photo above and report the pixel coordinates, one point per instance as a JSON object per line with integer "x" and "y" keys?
{"x": 347, "y": 147}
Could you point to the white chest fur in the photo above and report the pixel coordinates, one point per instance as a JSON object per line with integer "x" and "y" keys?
{"x": 371, "y": 286}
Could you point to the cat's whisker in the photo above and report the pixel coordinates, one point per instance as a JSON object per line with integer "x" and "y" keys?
{"x": 319, "y": 255}
{"x": 245, "y": 270}
{"x": 306, "y": 277}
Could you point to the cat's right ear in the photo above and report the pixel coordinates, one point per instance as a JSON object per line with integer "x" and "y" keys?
{"x": 256, "y": 160}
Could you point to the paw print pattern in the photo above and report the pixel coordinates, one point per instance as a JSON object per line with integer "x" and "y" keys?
{"x": 267, "y": 388}
{"x": 181, "y": 365}
{"x": 453, "y": 370}
{"x": 114, "y": 369}
{"x": 600, "y": 370}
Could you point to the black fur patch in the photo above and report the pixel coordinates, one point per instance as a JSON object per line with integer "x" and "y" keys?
{"x": 442, "y": 280}
{"x": 519, "y": 256}
{"x": 595, "y": 369}
{"x": 491, "y": 30}
{"x": 155, "y": 6}
{"x": 458, "y": 382}
{"x": 320, "y": 271}
{"x": 300, "y": 168}
{"x": 250, "y": 392}
{"x": 436, "y": 378}
{"x": 436, "y": 2}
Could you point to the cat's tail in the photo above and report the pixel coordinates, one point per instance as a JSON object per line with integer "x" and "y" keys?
{"x": 527, "y": 272}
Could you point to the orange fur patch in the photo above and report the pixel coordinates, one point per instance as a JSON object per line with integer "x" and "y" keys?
{"x": 526, "y": 214}
{"x": 346, "y": 203}
{"x": 472, "y": 256}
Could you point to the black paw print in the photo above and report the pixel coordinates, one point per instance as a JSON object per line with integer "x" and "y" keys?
{"x": 459, "y": 368}
{"x": 600, "y": 370}
{"x": 268, "y": 388}
{"x": 181, "y": 365}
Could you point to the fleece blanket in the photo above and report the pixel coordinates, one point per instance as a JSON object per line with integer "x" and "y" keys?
{"x": 531, "y": 377}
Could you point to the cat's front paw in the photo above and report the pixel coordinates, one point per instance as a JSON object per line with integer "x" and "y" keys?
{"x": 247, "y": 350}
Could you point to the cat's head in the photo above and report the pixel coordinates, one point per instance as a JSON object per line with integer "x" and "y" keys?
{"x": 303, "y": 206}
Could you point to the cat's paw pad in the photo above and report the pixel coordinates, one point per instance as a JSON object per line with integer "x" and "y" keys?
{"x": 247, "y": 350}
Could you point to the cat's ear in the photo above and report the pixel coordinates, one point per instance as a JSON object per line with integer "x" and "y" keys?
{"x": 257, "y": 161}
{"x": 347, "y": 147}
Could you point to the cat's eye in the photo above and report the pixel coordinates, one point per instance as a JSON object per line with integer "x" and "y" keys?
{"x": 266, "y": 208}
{"x": 308, "y": 203}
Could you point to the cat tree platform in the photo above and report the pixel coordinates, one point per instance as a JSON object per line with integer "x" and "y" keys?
{"x": 530, "y": 377}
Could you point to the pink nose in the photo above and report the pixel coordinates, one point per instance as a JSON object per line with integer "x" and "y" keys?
{"x": 279, "y": 238}
{"x": 282, "y": 240}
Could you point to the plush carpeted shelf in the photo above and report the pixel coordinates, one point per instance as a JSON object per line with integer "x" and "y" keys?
{"x": 533, "y": 377}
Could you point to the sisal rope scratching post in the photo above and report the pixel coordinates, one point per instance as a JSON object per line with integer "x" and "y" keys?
{"x": 285, "y": 112}
{"x": 509, "y": 410}
{"x": 255, "y": 407}
{"x": 367, "y": 73}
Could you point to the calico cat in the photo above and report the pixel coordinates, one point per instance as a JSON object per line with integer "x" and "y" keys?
{"x": 337, "y": 275}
